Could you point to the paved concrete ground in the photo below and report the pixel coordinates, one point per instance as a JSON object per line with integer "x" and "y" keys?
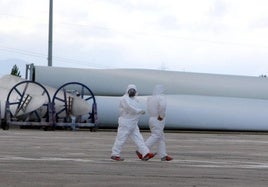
{"x": 36, "y": 158}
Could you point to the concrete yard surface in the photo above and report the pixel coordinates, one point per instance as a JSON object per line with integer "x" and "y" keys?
{"x": 36, "y": 158}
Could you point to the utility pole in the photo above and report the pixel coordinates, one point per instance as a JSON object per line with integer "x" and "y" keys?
{"x": 50, "y": 33}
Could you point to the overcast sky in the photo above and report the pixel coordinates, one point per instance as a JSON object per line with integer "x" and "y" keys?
{"x": 206, "y": 36}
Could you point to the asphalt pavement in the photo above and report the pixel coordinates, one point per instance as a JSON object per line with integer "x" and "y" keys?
{"x": 37, "y": 158}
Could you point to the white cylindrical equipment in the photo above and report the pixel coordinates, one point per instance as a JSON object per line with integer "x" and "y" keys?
{"x": 197, "y": 112}
{"x": 112, "y": 82}
{"x": 194, "y": 100}
{"x": 7, "y": 82}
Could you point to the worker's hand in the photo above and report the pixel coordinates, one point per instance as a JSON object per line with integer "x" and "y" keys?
{"x": 142, "y": 112}
{"x": 159, "y": 118}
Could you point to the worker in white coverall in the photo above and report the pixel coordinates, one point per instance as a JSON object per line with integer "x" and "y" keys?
{"x": 129, "y": 115}
{"x": 156, "y": 107}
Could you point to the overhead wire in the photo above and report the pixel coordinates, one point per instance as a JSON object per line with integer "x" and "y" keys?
{"x": 132, "y": 34}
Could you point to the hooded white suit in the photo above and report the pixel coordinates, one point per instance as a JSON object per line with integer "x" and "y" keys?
{"x": 156, "y": 106}
{"x": 129, "y": 112}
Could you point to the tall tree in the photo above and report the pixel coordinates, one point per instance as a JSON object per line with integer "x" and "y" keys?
{"x": 15, "y": 71}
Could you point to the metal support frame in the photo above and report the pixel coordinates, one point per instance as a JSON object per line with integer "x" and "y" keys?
{"x": 23, "y": 99}
{"x": 29, "y": 74}
{"x": 52, "y": 118}
{"x": 68, "y": 120}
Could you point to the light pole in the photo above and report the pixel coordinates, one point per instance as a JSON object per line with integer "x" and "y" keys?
{"x": 50, "y": 33}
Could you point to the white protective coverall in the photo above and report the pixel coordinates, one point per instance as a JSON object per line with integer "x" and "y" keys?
{"x": 156, "y": 107}
{"x": 129, "y": 112}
